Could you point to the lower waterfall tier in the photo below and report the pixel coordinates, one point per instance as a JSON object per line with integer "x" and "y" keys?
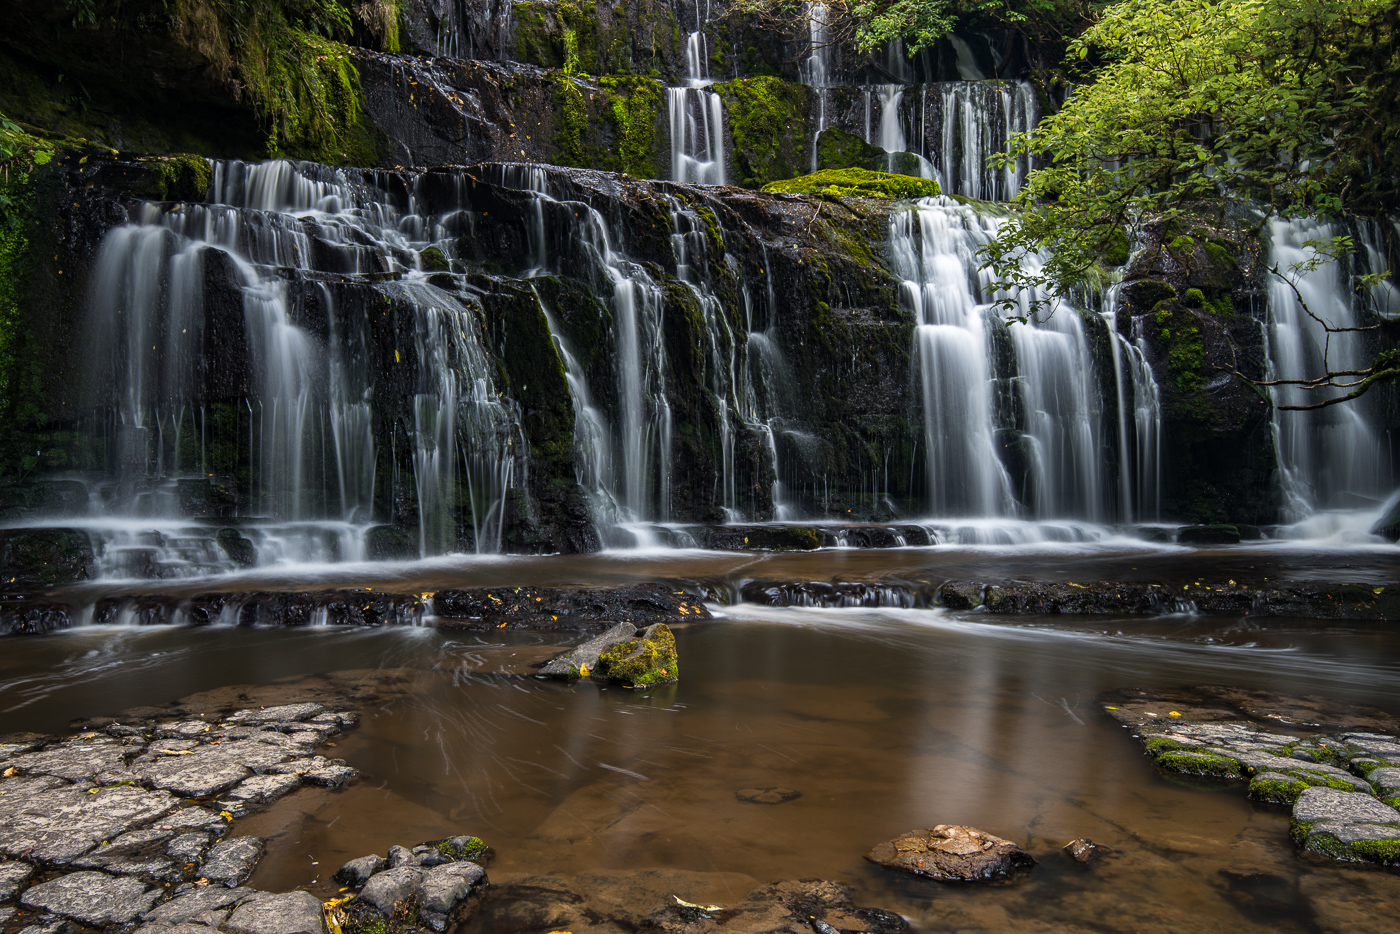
{"x": 314, "y": 364}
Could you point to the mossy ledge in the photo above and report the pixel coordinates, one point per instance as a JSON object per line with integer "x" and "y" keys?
{"x": 856, "y": 183}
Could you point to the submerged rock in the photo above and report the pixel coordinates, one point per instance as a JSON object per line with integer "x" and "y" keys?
{"x": 951, "y": 853}
{"x": 772, "y": 795}
{"x": 1084, "y": 851}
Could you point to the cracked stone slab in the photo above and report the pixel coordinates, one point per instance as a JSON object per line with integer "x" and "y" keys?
{"x": 195, "y": 776}
{"x": 93, "y": 898}
{"x": 189, "y": 847}
{"x": 231, "y": 862}
{"x": 136, "y": 852}
{"x": 194, "y": 818}
{"x": 266, "y": 913}
{"x": 292, "y": 712}
{"x": 79, "y": 761}
{"x": 1348, "y": 807}
{"x": 59, "y": 824}
{"x": 207, "y": 900}
{"x": 443, "y": 888}
{"x": 13, "y": 875}
{"x": 257, "y": 791}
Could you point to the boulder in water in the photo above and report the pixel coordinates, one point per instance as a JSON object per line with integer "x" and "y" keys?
{"x": 582, "y": 660}
{"x": 950, "y": 853}
{"x": 1347, "y": 825}
{"x": 641, "y": 662}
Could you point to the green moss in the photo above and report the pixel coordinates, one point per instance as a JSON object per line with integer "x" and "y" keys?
{"x": 432, "y": 260}
{"x": 186, "y": 177}
{"x": 1200, "y": 764}
{"x": 1384, "y": 852}
{"x": 1115, "y": 250}
{"x": 646, "y": 660}
{"x": 569, "y": 145}
{"x": 1157, "y": 745}
{"x": 1276, "y": 790}
{"x": 837, "y": 149}
{"x": 860, "y": 183}
{"x": 1178, "y": 333}
{"x": 634, "y": 105}
{"x": 1194, "y": 298}
{"x": 765, "y": 115}
{"x": 473, "y": 848}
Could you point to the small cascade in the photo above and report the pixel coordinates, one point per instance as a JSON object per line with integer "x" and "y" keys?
{"x": 1138, "y": 399}
{"x": 697, "y": 116}
{"x": 1332, "y": 458}
{"x": 817, "y": 70}
{"x": 1014, "y": 425}
{"x": 976, "y": 119}
{"x": 633, "y": 470}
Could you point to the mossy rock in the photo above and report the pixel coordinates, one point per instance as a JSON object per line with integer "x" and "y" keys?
{"x": 641, "y": 662}
{"x": 1276, "y": 787}
{"x": 391, "y": 543}
{"x": 765, "y": 116}
{"x": 1200, "y": 763}
{"x": 1381, "y": 851}
{"x": 856, "y": 183}
{"x": 432, "y": 260}
{"x": 1115, "y": 249}
{"x": 1159, "y": 745}
{"x": 239, "y": 549}
{"x": 43, "y": 557}
{"x": 472, "y": 849}
{"x": 837, "y": 149}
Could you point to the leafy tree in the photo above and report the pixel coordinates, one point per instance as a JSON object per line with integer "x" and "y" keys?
{"x": 1287, "y": 104}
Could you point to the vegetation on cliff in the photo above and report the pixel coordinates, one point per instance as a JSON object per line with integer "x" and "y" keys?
{"x": 1284, "y": 105}
{"x": 857, "y": 183}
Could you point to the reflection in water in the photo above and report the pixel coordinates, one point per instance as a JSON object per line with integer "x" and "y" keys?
{"x": 885, "y": 720}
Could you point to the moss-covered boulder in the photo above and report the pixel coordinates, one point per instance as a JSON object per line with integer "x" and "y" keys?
{"x": 641, "y": 662}
{"x": 857, "y": 183}
{"x": 766, "y": 117}
{"x": 1347, "y": 825}
{"x": 837, "y": 149}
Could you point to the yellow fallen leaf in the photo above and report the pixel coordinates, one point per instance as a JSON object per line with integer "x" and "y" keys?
{"x": 1106, "y": 707}
{"x": 1173, "y": 713}
{"x": 226, "y": 815}
{"x": 685, "y": 904}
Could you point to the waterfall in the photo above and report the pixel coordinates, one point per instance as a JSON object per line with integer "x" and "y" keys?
{"x": 1137, "y": 396}
{"x": 283, "y": 234}
{"x": 1039, "y": 451}
{"x": 696, "y": 115}
{"x": 633, "y": 471}
{"x": 816, "y": 69}
{"x": 1333, "y": 458}
{"x": 976, "y": 119}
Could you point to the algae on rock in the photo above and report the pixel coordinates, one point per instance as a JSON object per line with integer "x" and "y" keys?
{"x": 856, "y": 183}
{"x": 646, "y": 660}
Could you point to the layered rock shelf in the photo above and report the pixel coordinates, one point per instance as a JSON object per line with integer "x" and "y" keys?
{"x": 134, "y": 822}
{"x": 1343, "y": 787}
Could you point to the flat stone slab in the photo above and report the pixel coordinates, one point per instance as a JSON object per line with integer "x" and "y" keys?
{"x": 265, "y": 913}
{"x": 59, "y": 824}
{"x": 93, "y": 898}
{"x": 13, "y": 875}
{"x": 285, "y": 712}
{"x": 137, "y": 852}
{"x": 204, "y": 902}
{"x": 1348, "y": 807}
{"x": 258, "y": 791}
{"x": 231, "y": 862}
{"x": 951, "y": 853}
{"x": 100, "y": 758}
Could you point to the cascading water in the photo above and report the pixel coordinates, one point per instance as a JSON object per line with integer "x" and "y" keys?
{"x": 697, "y": 115}
{"x": 1038, "y": 450}
{"x": 308, "y": 455}
{"x": 1330, "y": 459}
{"x": 630, "y": 473}
{"x": 976, "y": 119}
{"x": 817, "y": 69}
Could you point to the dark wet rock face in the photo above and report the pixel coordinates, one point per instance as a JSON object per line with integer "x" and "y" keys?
{"x": 1340, "y": 784}
{"x": 950, "y": 853}
{"x": 545, "y": 608}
